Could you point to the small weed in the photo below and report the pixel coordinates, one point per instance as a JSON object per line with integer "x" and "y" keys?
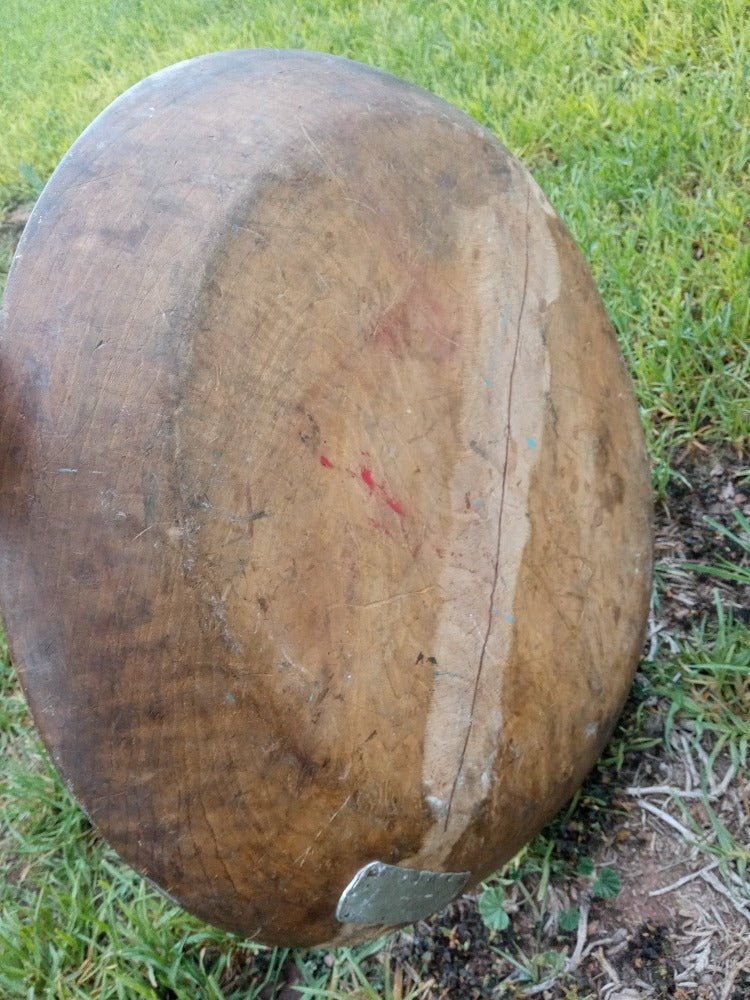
{"x": 568, "y": 919}
{"x": 492, "y": 908}
{"x": 606, "y": 885}
{"x": 532, "y": 970}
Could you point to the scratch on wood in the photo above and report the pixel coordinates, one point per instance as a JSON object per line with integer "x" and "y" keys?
{"x": 340, "y": 808}
{"x": 323, "y": 160}
{"x": 217, "y": 845}
{"x": 388, "y": 600}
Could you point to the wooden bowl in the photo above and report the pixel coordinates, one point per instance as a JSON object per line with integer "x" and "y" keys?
{"x": 324, "y": 505}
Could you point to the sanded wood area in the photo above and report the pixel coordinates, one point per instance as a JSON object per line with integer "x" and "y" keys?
{"x": 324, "y": 506}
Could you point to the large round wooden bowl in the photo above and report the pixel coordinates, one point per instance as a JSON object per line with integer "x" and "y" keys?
{"x": 324, "y": 507}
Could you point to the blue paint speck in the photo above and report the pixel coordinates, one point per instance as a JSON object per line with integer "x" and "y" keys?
{"x": 230, "y": 699}
{"x": 531, "y": 442}
{"x": 478, "y": 502}
{"x": 509, "y": 618}
{"x": 488, "y": 383}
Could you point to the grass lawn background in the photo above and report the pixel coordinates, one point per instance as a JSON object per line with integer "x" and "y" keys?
{"x": 633, "y": 116}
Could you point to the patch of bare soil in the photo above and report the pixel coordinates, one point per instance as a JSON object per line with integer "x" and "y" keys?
{"x": 15, "y": 220}
{"x": 686, "y": 918}
{"x": 714, "y": 487}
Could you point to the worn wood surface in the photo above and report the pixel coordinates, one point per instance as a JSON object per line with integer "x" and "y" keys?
{"x": 324, "y": 508}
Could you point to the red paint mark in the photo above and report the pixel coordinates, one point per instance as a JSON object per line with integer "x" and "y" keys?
{"x": 379, "y": 526}
{"x": 326, "y": 462}
{"x": 365, "y": 474}
{"x": 367, "y": 479}
{"x": 467, "y": 502}
{"x": 425, "y": 321}
{"x": 391, "y": 329}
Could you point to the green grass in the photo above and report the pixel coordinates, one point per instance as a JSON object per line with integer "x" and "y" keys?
{"x": 633, "y": 116}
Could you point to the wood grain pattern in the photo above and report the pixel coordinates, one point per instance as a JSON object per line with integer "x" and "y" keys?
{"x": 324, "y": 511}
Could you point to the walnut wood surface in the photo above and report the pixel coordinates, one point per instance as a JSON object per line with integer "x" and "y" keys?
{"x": 324, "y": 509}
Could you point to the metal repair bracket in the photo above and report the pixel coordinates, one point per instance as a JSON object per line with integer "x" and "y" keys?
{"x": 387, "y": 894}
